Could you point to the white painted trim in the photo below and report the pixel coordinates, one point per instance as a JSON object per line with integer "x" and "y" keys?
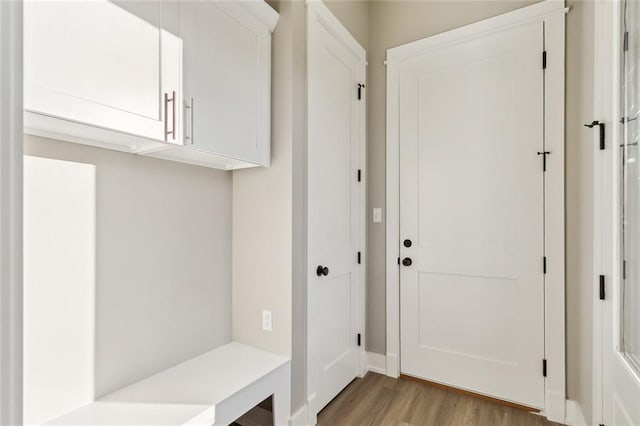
{"x": 393, "y": 365}
{"x": 537, "y": 12}
{"x": 318, "y": 10}
{"x": 261, "y": 10}
{"x": 554, "y": 216}
{"x": 364, "y": 364}
{"x": 376, "y": 363}
{"x": 300, "y": 417}
{"x": 551, "y": 13}
{"x": 393, "y": 222}
{"x": 575, "y": 416}
{"x": 605, "y": 77}
{"x": 362, "y": 314}
{"x": 11, "y": 135}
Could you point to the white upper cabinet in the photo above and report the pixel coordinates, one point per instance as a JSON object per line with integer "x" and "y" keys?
{"x": 227, "y": 52}
{"x": 182, "y": 80}
{"x": 110, "y": 64}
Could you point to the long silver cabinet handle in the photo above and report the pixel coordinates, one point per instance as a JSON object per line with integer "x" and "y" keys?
{"x": 171, "y": 99}
{"x": 189, "y": 137}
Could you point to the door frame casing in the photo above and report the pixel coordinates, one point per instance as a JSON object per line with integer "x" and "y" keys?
{"x": 606, "y": 202}
{"x": 318, "y": 11}
{"x": 552, "y": 14}
{"x": 11, "y": 135}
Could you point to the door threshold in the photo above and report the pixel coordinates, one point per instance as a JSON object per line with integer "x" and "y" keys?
{"x": 472, "y": 394}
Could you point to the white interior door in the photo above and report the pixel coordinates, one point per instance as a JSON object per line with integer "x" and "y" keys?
{"x": 334, "y": 214}
{"x": 471, "y": 215}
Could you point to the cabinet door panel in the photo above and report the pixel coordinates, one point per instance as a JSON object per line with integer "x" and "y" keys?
{"x": 224, "y": 72}
{"x": 99, "y": 63}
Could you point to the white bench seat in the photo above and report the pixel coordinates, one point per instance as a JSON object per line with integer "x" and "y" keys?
{"x": 214, "y": 388}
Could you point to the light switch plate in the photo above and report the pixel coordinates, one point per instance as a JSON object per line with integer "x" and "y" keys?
{"x": 377, "y": 215}
{"x": 266, "y": 321}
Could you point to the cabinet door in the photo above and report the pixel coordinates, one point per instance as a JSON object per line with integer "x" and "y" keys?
{"x": 104, "y": 63}
{"x": 226, "y": 80}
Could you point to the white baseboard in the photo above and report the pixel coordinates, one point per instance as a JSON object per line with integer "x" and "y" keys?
{"x": 376, "y": 363}
{"x": 393, "y": 366}
{"x": 575, "y": 416}
{"x": 364, "y": 363}
{"x": 300, "y": 417}
{"x": 555, "y": 406}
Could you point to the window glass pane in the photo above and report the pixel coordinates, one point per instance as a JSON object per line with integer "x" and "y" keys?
{"x": 630, "y": 297}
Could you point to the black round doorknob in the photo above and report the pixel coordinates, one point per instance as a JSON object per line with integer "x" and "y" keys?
{"x": 407, "y": 261}
{"x": 407, "y": 243}
{"x": 322, "y": 271}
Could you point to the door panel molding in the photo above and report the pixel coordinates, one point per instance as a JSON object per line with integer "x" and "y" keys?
{"x": 551, "y": 13}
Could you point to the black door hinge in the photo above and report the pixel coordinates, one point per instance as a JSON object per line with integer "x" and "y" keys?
{"x": 625, "y": 41}
{"x": 544, "y": 59}
{"x": 360, "y": 87}
{"x": 602, "y": 287}
{"x": 544, "y": 159}
{"x": 544, "y": 265}
{"x": 359, "y": 340}
{"x": 624, "y": 269}
{"x": 359, "y": 258}
{"x": 544, "y": 367}
{"x": 601, "y": 128}
{"x": 359, "y": 175}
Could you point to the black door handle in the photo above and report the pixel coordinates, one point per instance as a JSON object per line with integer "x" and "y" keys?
{"x": 322, "y": 270}
{"x": 407, "y": 243}
{"x": 407, "y": 261}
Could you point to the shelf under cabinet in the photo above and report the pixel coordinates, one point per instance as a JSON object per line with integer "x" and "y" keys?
{"x": 43, "y": 125}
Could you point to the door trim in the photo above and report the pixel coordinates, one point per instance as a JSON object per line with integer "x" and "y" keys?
{"x": 11, "y": 135}
{"x": 318, "y": 11}
{"x": 552, "y": 14}
{"x": 606, "y": 197}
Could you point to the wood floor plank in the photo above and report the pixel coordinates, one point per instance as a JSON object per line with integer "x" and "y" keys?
{"x": 378, "y": 400}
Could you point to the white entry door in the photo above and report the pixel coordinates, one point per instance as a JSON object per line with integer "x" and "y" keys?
{"x": 621, "y": 332}
{"x": 471, "y": 215}
{"x": 335, "y": 122}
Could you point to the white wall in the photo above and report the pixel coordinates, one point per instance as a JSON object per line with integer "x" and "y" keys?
{"x": 59, "y": 287}
{"x": 262, "y": 221}
{"x": 355, "y": 15}
{"x": 163, "y": 260}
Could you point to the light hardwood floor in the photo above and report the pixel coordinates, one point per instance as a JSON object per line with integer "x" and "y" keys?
{"x": 381, "y": 400}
